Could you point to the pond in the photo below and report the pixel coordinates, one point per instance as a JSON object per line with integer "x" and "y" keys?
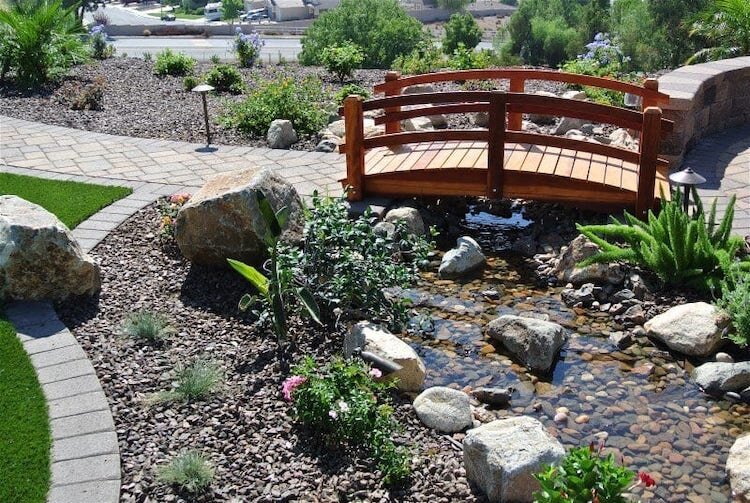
{"x": 639, "y": 401}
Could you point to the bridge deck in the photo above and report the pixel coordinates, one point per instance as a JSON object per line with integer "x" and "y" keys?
{"x": 530, "y": 171}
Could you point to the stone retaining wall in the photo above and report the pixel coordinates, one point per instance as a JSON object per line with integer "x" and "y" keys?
{"x": 705, "y": 99}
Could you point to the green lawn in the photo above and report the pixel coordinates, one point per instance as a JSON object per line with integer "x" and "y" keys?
{"x": 72, "y": 202}
{"x": 24, "y": 429}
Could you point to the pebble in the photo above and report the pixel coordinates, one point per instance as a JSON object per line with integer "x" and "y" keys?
{"x": 561, "y": 417}
{"x": 582, "y": 419}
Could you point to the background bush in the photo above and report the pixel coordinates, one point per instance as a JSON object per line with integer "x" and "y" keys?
{"x": 348, "y": 90}
{"x": 173, "y": 63}
{"x": 461, "y": 29}
{"x": 382, "y": 28}
{"x": 225, "y": 78}
{"x": 426, "y": 58}
{"x": 342, "y": 60}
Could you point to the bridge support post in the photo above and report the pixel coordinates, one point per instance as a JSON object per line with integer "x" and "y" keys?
{"x": 515, "y": 119}
{"x": 496, "y": 145}
{"x": 650, "y": 140}
{"x": 355, "y": 148}
{"x": 392, "y": 127}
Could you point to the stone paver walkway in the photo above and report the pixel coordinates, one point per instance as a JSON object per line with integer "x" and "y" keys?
{"x": 724, "y": 160}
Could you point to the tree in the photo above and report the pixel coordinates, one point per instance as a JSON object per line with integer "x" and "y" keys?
{"x": 230, "y": 10}
{"x": 725, "y": 28}
{"x": 461, "y": 28}
{"x": 382, "y": 28}
{"x": 342, "y": 60}
{"x": 454, "y": 4}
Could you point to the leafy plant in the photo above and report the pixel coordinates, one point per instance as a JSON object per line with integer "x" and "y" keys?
{"x": 190, "y": 471}
{"x": 147, "y": 57}
{"x": 100, "y": 49}
{"x": 190, "y": 82}
{"x": 602, "y": 59}
{"x": 225, "y": 78}
{"x": 39, "y": 41}
{"x": 147, "y": 325}
{"x": 230, "y": 9}
{"x": 584, "y": 476}
{"x": 300, "y": 102}
{"x": 425, "y": 58}
{"x": 193, "y": 382}
{"x": 461, "y": 28}
{"x": 680, "y": 250}
{"x": 342, "y": 402}
{"x": 381, "y": 28}
{"x": 348, "y": 90}
{"x": 247, "y": 47}
{"x": 100, "y": 18}
{"x": 280, "y": 290}
{"x": 725, "y": 27}
{"x": 735, "y": 300}
{"x": 342, "y": 60}
{"x": 468, "y": 59}
{"x": 453, "y": 4}
{"x": 173, "y": 63}
{"x": 215, "y": 59}
{"x": 80, "y": 96}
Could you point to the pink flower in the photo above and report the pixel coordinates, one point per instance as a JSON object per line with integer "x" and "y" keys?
{"x": 179, "y": 198}
{"x": 290, "y": 384}
{"x": 375, "y": 373}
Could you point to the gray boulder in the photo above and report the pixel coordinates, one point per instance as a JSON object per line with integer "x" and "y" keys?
{"x": 621, "y": 138}
{"x": 222, "y": 219}
{"x": 39, "y": 257}
{"x": 535, "y": 343}
{"x": 496, "y": 397}
{"x": 410, "y": 216}
{"x": 568, "y": 124}
{"x": 693, "y": 329}
{"x": 717, "y": 377}
{"x": 417, "y": 124}
{"x": 281, "y": 134}
{"x": 568, "y": 271}
{"x": 465, "y": 258}
{"x": 738, "y": 469}
{"x": 583, "y": 296}
{"x": 503, "y": 456}
{"x": 574, "y": 95}
{"x": 444, "y": 409}
{"x": 327, "y": 145}
{"x": 480, "y": 119}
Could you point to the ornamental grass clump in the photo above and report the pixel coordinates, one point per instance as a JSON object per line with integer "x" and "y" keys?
{"x": 190, "y": 471}
{"x": 344, "y": 404}
{"x": 193, "y": 382}
{"x": 147, "y": 326}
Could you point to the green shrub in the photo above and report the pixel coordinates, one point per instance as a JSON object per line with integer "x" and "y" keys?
{"x": 453, "y": 4}
{"x": 348, "y": 90}
{"x": 342, "y": 60}
{"x": 468, "y": 59}
{"x": 725, "y": 27}
{"x": 173, "y": 63}
{"x": 190, "y": 82}
{"x": 382, "y": 28}
{"x": 147, "y": 325}
{"x": 680, "y": 250}
{"x": 554, "y": 41}
{"x": 426, "y": 58}
{"x": 225, "y": 78}
{"x": 735, "y": 299}
{"x": 100, "y": 49}
{"x": 302, "y": 103}
{"x": 190, "y": 471}
{"x": 342, "y": 402}
{"x": 39, "y": 41}
{"x": 194, "y": 382}
{"x": 461, "y": 29}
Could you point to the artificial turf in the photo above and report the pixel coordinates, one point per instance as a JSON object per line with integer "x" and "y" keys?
{"x": 72, "y": 202}
{"x": 24, "y": 428}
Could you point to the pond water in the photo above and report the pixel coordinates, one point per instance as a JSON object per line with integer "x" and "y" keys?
{"x": 639, "y": 400}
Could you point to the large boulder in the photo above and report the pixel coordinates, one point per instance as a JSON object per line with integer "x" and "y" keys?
{"x": 222, "y": 219}
{"x": 411, "y": 218}
{"x": 370, "y": 337}
{"x": 693, "y": 329}
{"x": 568, "y": 271}
{"x": 738, "y": 469}
{"x": 39, "y": 257}
{"x": 535, "y": 343}
{"x": 281, "y": 134}
{"x": 466, "y": 257}
{"x": 502, "y": 457}
{"x": 444, "y": 409}
{"x": 718, "y": 377}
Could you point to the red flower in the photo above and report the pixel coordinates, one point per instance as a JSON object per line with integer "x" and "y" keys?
{"x": 646, "y": 479}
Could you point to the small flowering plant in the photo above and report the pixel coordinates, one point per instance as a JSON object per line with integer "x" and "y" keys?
{"x": 345, "y": 403}
{"x": 247, "y": 47}
{"x": 100, "y": 49}
{"x": 586, "y": 476}
{"x": 169, "y": 207}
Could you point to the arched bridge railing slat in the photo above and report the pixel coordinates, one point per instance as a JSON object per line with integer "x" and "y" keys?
{"x": 461, "y": 108}
{"x": 392, "y": 140}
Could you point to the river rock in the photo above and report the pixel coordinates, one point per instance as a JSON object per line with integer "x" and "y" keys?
{"x": 583, "y": 296}
{"x": 503, "y": 456}
{"x": 417, "y": 124}
{"x": 465, "y": 258}
{"x": 567, "y": 124}
{"x": 724, "y": 358}
{"x": 693, "y": 329}
{"x": 370, "y": 337}
{"x": 222, "y": 219}
{"x": 281, "y": 134}
{"x": 718, "y": 377}
{"x": 480, "y": 119}
{"x": 621, "y": 138}
{"x": 535, "y": 343}
{"x": 581, "y": 248}
{"x": 444, "y": 409}
{"x": 39, "y": 257}
{"x": 328, "y": 145}
{"x": 738, "y": 469}
{"x": 497, "y": 397}
{"x": 574, "y": 95}
{"x": 410, "y": 217}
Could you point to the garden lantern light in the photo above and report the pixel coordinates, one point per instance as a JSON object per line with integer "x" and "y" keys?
{"x": 688, "y": 179}
{"x": 204, "y": 89}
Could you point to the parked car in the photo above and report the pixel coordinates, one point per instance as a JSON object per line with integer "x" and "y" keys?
{"x": 255, "y": 15}
{"x": 212, "y": 11}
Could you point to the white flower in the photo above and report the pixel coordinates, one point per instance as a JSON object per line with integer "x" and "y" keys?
{"x": 333, "y": 415}
{"x": 343, "y": 406}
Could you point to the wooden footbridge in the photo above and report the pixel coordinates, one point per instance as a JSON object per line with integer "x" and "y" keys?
{"x": 502, "y": 160}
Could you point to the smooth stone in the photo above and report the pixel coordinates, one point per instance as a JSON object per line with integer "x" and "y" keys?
{"x": 738, "y": 469}
{"x": 693, "y": 329}
{"x": 493, "y": 396}
{"x": 281, "y": 134}
{"x": 409, "y": 216}
{"x": 465, "y": 258}
{"x": 535, "y": 343}
{"x": 444, "y": 409}
{"x": 718, "y": 377}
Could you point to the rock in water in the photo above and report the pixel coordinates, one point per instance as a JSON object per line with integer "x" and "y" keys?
{"x": 502, "y": 457}
{"x": 718, "y": 377}
{"x": 281, "y": 134}
{"x": 222, "y": 219}
{"x": 39, "y": 257}
{"x": 581, "y": 248}
{"x": 411, "y": 218}
{"x": 535, "y": 343}
{"x": 465, "y": 258}
{"x": 370, "y": 337}
{"x": 738, "y": 469}
{"x": 444, "y": 409}
{"x": 497, "y": 397}
{"x": 693, "y": 329}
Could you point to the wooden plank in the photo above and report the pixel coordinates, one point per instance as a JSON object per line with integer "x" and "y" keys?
{"x": 517, "y": 157}
{"x": 355, "y": 151}
{"x": 373, "y": 157}
{"x": 441, "y": 157}
{"x": 470, "y": 160}
{"x": 460, "y": 108}
{"x": 598, "y": 168}
{"x": 629, "y": 177}
{"x": 429, "y": 154}
{"x": 408, "y": 163}
{"x": 391, "y": 140}
{"x": 613, "y": 172}
{"x": 594, "y": 112}
{"x": 650, "y": 140}
{"x": 577, "y": 145}
{"x": 549, "y": 161}
{"x": 533, "y": 158}
{"x": 565, "y": 163}
{"x": 453, "y": 160}
{"x": 581, "y": 166}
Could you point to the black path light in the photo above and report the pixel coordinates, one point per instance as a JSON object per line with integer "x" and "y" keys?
{"x": 688, "y": 179}
{"x": 204, "y": 89}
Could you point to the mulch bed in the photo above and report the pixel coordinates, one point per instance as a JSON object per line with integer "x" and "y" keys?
{"x": 246, "y": 430}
